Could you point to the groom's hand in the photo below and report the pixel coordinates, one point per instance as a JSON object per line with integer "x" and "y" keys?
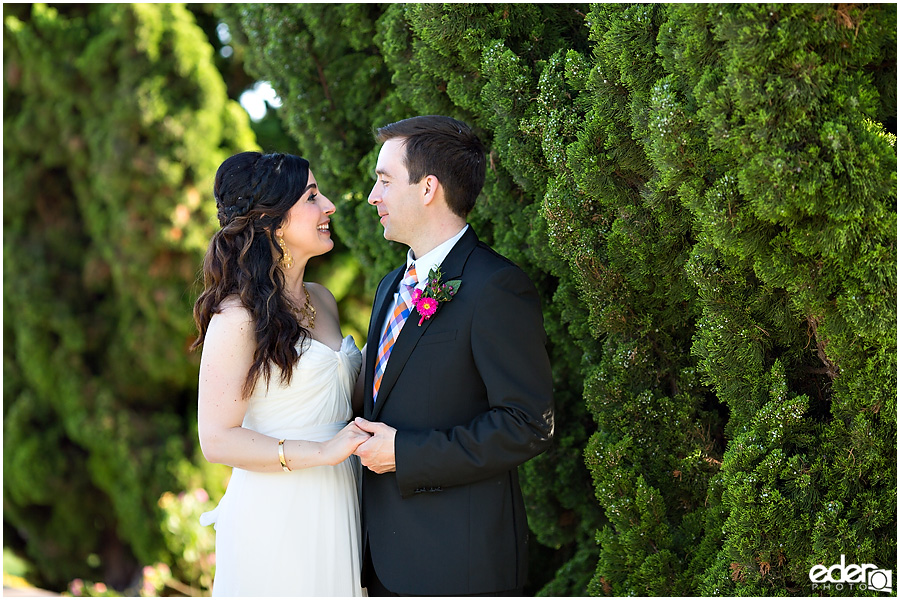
{"x": 377, "y": 453}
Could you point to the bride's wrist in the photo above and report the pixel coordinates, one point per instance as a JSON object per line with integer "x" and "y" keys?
{"x": 326, "y": 452}
{"x": 281, "y": 458}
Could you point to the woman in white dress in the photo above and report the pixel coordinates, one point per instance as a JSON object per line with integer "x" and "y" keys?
{"x": 276, "y": 380}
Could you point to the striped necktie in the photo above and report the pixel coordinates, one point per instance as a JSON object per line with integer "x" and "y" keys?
{"x": 395, "y": 324}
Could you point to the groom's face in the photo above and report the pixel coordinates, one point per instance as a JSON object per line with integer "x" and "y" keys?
{"x": 397, "y": 200}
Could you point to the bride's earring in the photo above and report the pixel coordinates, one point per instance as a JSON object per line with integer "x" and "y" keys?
{"x": 287, "y": 260}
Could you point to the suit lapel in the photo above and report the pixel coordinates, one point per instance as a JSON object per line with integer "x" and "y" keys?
{"x": 451, "y": 268}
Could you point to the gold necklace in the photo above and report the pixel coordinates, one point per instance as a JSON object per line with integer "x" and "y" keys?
{"x": 308, "y": 311}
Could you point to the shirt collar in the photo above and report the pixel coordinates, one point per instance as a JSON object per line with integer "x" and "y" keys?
{"x": 432, "y": 259}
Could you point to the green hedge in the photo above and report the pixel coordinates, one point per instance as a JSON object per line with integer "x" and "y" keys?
{"x": 705, "y": 196}
{"x": 115, "y": 119}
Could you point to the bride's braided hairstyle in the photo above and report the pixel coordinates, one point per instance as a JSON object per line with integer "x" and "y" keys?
{"x": 253, "y": 192}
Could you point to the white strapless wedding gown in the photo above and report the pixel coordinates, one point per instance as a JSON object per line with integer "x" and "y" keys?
{"x": 297, "y": 533}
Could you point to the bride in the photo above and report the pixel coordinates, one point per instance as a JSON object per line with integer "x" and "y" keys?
{"x": 276, "y": 380}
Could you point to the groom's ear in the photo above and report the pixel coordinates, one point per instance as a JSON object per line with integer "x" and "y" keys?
{"x": 431, "y": 187}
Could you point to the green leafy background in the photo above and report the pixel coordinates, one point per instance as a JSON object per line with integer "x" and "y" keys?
{"x": 705, "y": 196}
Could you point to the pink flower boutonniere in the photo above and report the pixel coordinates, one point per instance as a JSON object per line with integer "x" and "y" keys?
{"x": 435, "y": 293}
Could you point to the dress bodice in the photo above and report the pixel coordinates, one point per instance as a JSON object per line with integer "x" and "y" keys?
{"x": 317, "y": 396}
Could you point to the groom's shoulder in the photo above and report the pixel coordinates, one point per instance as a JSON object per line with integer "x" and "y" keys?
{"x": 487, "y": 261}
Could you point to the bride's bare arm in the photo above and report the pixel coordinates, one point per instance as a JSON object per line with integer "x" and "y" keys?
{"x": 224, "y": 364}
{"x": 359, "y": 389}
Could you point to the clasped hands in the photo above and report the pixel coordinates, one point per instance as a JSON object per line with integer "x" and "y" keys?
{"x": 374, "y": 444}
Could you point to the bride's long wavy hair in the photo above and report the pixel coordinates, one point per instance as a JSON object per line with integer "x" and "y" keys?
{"x": 253, "y": 192}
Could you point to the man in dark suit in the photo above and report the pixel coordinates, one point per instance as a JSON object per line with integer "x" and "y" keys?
{"x": 455, "y": 399}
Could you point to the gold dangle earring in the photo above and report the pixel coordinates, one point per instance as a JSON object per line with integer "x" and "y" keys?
{"x": 287, "y": 261}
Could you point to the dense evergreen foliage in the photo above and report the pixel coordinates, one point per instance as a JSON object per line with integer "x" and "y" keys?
{"x": 705, "y": 196}
{"x": 115, "y": 119}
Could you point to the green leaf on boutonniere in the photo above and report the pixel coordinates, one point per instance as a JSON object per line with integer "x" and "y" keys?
{"x": 427, "y": 301}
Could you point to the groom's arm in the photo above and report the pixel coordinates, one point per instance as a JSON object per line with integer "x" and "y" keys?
{"x": 508, "y": 345}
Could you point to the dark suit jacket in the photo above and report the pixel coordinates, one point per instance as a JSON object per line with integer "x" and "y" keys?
{"x": 470, "y": 394}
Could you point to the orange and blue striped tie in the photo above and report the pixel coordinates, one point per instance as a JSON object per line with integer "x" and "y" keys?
{"x": 395, "y": 324}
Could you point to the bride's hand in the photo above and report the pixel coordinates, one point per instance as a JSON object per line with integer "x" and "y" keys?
{"x": 342, "y": 445}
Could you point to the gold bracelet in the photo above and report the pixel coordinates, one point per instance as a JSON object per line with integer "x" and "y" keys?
{"x": 284, "y": 466}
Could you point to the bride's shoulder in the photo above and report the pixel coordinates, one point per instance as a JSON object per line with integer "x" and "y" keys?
{"x": 232, "y": 304}
{"x": 323, "y": 296}
{"x": 230, "y": 338}
{"x": 232, "y": 312}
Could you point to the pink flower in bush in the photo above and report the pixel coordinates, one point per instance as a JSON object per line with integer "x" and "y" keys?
{"x": 76, "y": 587}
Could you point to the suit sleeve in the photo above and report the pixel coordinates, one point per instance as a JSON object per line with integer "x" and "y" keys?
{"x": 508, "y": 346}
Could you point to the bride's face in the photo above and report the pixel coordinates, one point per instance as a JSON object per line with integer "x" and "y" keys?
{"x": 307, "y": 225}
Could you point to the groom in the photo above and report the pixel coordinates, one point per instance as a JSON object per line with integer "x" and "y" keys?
{"x": 456, "y": 399}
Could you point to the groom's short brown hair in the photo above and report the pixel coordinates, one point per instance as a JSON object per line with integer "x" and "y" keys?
{"x": 446, "y": 148}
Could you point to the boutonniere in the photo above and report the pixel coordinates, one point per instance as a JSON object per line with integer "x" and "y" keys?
{"x": 435, "y": 293}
